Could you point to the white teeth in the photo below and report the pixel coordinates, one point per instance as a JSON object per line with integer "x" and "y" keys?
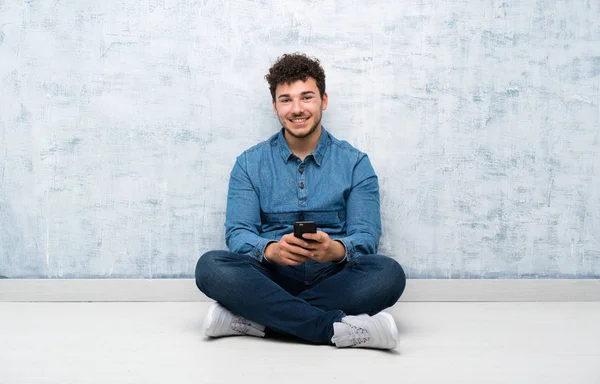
{"x": 298, "y": 120}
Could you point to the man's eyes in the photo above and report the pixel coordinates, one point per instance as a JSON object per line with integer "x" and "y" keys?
{"x": 303, "y": 98}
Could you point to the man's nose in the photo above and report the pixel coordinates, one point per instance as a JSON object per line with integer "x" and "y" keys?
{"x": 297, "y": 107}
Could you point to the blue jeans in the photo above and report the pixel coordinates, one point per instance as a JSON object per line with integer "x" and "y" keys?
{"x": 302, "y": 301}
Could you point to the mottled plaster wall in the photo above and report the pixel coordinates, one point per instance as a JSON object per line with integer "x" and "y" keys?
{"x": 120, "y": 122}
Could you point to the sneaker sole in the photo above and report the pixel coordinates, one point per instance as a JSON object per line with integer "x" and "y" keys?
{"x": 393, "y": 326}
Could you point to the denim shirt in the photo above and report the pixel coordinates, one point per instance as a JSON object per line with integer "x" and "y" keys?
{"x": 270, "y": 188}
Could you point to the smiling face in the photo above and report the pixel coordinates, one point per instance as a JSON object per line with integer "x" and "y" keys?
{"x": 299, "y": 108}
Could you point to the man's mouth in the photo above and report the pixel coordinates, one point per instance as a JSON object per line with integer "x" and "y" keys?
{"x": 299, "y": 120}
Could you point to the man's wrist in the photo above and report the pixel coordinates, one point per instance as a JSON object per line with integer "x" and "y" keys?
{"x": 338, "y": 251}
{"x": 269, "y": 250}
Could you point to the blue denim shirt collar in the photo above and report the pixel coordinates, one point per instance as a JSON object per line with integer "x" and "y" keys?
{"x": 318, "y": 154}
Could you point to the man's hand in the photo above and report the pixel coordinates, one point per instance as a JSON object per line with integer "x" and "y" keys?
{"x": 288, "y": 251}
{"x": 323, "y": 249}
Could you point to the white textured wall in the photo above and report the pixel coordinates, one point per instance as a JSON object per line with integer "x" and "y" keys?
{"x": 120, "y": 121}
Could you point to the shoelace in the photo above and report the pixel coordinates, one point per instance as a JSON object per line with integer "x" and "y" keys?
{"x": 240, "y": 325}
{"x": 358, "y": 335}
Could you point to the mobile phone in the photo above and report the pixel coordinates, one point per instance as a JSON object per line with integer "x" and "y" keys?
{"x": 301, "y": 227}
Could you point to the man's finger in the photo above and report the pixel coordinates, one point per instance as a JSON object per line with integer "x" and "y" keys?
{"x": 296, "y": 257}
{"x": 318, "y": 237}
{"x": 300, "y": 251}
{"x": 293, "y": 240}
{"x": 311, "y": 236}
{"x": 292, "y": 262}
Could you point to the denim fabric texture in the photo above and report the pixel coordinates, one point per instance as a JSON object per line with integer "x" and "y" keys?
{"x": 270, "y": 188}
{"x": 303, "y": 301}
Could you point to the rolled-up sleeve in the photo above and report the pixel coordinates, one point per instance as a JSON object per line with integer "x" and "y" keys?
{"x": 242, "y": 221}
{"x": 363, "y": 216}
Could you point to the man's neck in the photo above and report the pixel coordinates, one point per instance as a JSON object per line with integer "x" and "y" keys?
{"x": 303, "y": 147}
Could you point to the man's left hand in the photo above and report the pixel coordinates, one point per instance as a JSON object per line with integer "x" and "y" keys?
{"x": 323, "y": 248}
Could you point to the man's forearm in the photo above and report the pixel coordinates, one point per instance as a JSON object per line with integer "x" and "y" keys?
{"x": 246, "y": 242}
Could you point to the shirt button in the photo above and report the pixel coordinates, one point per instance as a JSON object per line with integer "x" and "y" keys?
{"x": 301, "y": 170}
{"x": 301, "y": 217}
{"x": 339, "y": 216}
{"x": 301, "y": 185}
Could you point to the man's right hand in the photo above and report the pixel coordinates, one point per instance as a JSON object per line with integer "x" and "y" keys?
{"x": 288, "y": 251}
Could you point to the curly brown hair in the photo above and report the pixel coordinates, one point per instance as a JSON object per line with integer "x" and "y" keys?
{"x": 293, "y": 67}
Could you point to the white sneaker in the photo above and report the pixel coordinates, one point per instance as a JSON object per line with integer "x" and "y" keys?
{"x": 221, "y": 322}
{"x": 363, "y": 331}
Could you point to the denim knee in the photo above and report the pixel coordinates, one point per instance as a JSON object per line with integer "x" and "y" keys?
{"x": 400, "y": 278}
{"x": 395, "y": 276}
{"x": 204, "y": 266}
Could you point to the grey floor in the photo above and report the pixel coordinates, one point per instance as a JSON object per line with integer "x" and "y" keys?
{"x": 161, "y": 343}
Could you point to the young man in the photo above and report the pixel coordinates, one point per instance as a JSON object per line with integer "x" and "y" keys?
{"x": 330, "y": 286}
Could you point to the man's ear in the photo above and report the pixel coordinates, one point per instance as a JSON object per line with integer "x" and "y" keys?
{"x": 274, "y": 106}
{"x": 325, "y": 101}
